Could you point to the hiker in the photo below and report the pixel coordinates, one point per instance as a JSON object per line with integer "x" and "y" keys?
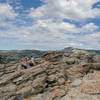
{"x": 31, "y": 62}
{"x": 25, "y": 63}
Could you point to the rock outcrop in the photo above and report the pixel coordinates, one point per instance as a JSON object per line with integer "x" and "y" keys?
{"x": 54, "y": 76}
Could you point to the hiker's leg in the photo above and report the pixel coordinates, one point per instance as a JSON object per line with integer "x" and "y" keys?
{"x": 25, "y": 67}
{"x": 31, "y": 64}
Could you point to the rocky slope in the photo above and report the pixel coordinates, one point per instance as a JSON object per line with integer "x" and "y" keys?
{"x": 54, "y": 76}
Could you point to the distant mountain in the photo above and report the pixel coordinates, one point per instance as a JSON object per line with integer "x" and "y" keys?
{"x": 67, "y": 50}
{"x": 71, "y": 49}
{"x": 7, "y": 56}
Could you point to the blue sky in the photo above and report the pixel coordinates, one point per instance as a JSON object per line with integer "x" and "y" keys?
{"x": 49, "y": 24}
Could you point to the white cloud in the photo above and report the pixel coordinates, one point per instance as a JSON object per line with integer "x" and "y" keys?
{"x": 49, "y": 31}
{"x": 50, "y": 17}
{"x": 49, "y": 35}
{"x": 90, "y": 40}
{"x": 65, "y": 27}
{"x": 89, "y": 28}
{"x": 6, "y": 11}
{"x": 70, "y": 9}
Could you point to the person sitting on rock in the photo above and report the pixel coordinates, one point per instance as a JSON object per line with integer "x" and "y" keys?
{"x": 32, "y": 63}
{"x": 25, "y": 63}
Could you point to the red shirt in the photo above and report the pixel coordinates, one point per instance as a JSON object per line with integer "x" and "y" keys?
{"x": 25, "y": 62}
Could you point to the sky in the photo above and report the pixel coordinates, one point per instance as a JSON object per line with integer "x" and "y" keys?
{"x": 49, "y": 24}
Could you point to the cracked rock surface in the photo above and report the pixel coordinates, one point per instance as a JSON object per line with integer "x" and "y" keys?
{"x": 55, "y": 76}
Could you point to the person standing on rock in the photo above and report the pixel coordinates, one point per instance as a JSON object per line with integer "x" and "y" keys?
{"x": 25, "y": 63}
